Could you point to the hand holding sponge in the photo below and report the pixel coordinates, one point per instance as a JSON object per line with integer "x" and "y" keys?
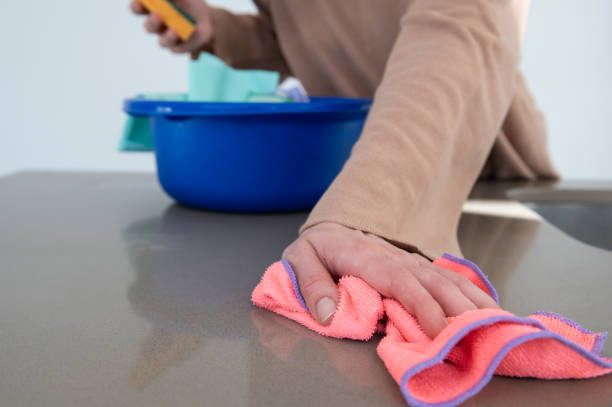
{"x": 174, "y": 17}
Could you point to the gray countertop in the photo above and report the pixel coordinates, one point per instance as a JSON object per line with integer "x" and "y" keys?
{"x": 112, "y": 295}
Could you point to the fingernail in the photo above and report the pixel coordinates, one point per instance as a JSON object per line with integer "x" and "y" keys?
{"x": 325, "y": 308}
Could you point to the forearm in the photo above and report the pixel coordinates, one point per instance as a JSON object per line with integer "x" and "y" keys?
{"x": 447, "y": 87}
{"x": 247, "y": 41}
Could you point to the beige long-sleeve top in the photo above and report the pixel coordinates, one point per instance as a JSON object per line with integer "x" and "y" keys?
{"x": 450, "y": 104}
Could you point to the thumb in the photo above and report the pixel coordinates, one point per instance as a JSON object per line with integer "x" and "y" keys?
{"x": 316, "y": 284}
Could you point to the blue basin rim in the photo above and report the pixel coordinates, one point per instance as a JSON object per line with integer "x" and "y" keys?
{"x": 147, "y": 107}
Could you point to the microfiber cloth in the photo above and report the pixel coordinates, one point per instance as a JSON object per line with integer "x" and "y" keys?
{"x": 458, "y": 362}
{"x": 210, "y": 80}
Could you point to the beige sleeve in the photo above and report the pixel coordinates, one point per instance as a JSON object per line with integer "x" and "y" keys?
{"x": 445, "y": 92}
{"x": 247, "y": 41}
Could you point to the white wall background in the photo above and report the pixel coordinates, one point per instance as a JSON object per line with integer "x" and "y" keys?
{"x": 567, "y": 59}
{"x": 67, "y": 65}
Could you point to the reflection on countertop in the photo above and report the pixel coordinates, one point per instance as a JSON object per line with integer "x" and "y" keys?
{"x": 192, "y": 303}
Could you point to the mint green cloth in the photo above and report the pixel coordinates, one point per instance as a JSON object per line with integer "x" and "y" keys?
{"x": 210, "y": 80}
{"x": 136, "y": 135}
{"x": 266, "y": 98}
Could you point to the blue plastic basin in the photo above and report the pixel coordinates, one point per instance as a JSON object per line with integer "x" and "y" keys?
{"x": 251, "y": 157}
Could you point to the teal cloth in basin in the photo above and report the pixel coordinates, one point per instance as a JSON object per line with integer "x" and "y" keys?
{"x": 136, "y": 135}
{"x": 210, "y": 80}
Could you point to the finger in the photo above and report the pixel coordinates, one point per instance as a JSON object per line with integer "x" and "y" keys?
{"x": 316, "y": 284}
{"x": 452, "y": 300}
{"x": 418, "y": 302}
{"x": 444, "y": 291}
{"x": 471, "y": 291}
{"x": 169, "y": 39}
{"x": 188, "y": 46}
{"x": 155, "y": 24}
{"x": 392, "y": 279}
{"x": 138, "y": 8}
{"x": 199, "y": 40}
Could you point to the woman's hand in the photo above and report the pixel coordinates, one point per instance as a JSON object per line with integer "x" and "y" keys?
{"x": 430, "y": 293}
{"x": 202, "y": 38}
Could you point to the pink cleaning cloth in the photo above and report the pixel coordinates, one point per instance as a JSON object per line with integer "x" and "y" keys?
{"x": 456, "y": 364}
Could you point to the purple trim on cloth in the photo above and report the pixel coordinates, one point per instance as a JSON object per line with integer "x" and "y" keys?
{"x": 296, "y": 288}
{"x": 476, "y": 270}
{"x": 599, "y": 343}
{"x": 486, "y": 377}
{"x": 569, "y": 322}
{"x": 600, "y": 338}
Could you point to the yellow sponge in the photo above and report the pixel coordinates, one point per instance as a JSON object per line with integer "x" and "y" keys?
{"x": 173, "y": 16}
